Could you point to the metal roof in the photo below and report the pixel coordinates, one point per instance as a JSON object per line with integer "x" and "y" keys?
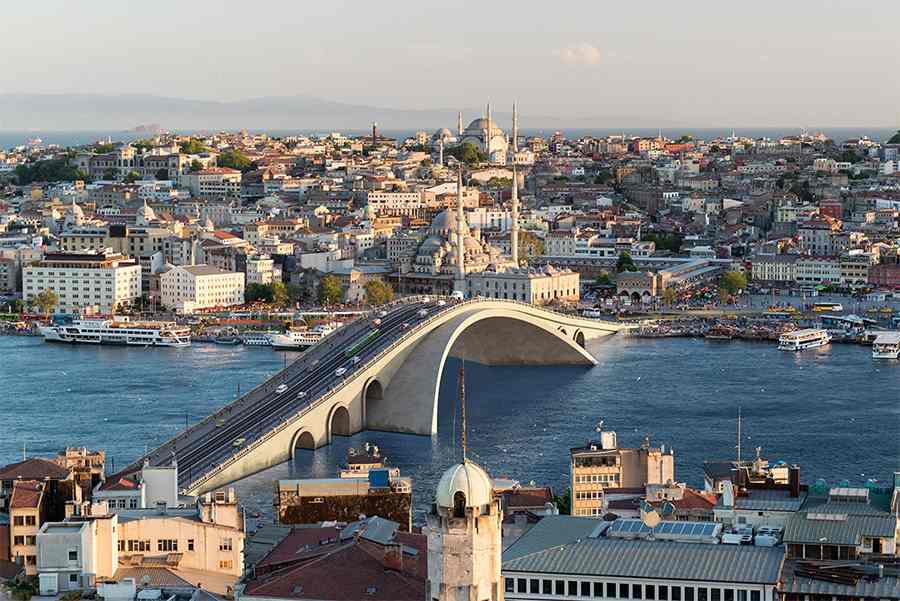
{"x": 837, "y": 529}
{"x": 885, "y": 587}
{"x": 662, "y": 560}
{"x": 768, "y": 500}
{"x": 551, "y": 531}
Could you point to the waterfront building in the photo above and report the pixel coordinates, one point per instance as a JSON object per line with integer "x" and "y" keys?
{"x": 188, "y": 288}
{"x": 567, "y": 557}
{"x": 28, "y": 508}
{"x": 101, "y": 281}
{"x": 602, "y": 464}
{"x": 72, "y": 556}
{"x": 148, "y": 487}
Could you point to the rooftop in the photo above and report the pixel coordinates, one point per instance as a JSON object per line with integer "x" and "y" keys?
{"x": 33, "y": 469}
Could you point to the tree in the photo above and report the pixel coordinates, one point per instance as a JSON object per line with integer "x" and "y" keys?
{"x": 195, "y": 166}
{"x": 280, "y": 295}
{"x": 467, "y": 152}
{"x": 103, "y": 148}
{"x": 379, "y": 292}
{"x": 162, "y": 174}
{"x": 895, "y": 139}
{"x": 849, "y": 156}
{"x": 669, "y": 296}
{"x": 603, "y": 279}
{"x": 21, "y": 590}
{"x": 192, "y": 147}
{"x": 235, "y": 159}
{"x": 142, "y": 145}
{"x": 131, "y": 177}
{"x": 110, "y": 173}
{"x": 670, "y": 242}
{"x": 499, "y": 182}
{"x": 733, "y": 282}
{"x": 45, "y": 301}
{"x": 330, "y": 290}
{"x": 563, "y": 502}
{"x": 685, "y": 139}
{"x": 258, "y": 292}
{"x": 530, "y": 245}
{"x": 54, "y": 170}
{"x": 625, "y": 263}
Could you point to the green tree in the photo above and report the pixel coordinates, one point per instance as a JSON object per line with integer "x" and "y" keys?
{"x": 669, "y": 296}
{"x": 110, "y": 173}
{"x": 131, "y": 177}
{"x": 162, "y": 173}
{"x": 45, "y": 301}
{"x": 671, "y": 242}
{"x": 54, "y": 170}
{"x": 685, "y": 139}
{"x": 280, "y": 295}
{"x": 21, "y": 590}
{"x": 530, "y": 245}
{"x": 103, "y": 148}
{"x": 235, "y": 159}
{"x": 258, "y": 292}
{"x": 603, "y": 176}
{"x": 603, "y": 279}
{"x": 499, "y": 182}
{"x": 193, "y": 146}
{"x": 467, "y": 152}
{"x": 625, "y": 263}
{"x": 195, "y": 166}
{"x": 563, "y": 502}
{"x": 142, "y": 145}
{"x": 733, "y": 282}
{"x": 330, "y": 290}
{"x": 379, "y": 292}
{"x": 850, "y": 156}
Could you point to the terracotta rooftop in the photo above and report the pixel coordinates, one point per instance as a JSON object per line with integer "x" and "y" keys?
{"x": 26, "y": 494}
{"x": 33, "y": 469}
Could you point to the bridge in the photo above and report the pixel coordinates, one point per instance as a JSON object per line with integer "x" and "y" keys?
{"x": 381, "y": 372}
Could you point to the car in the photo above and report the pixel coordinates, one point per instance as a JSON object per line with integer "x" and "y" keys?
{"x": 376, "y": 322}
{"x": 340, "y": 371}
{"x": 382, "y": 314}
{"x": 220, "y": 423}
{"x": 238, "y": 442}
{"x": 281, "y": 388}
{"x": 456, "y": 295}
{"x": 301, "y": 394}
{"x": 441, "y": 303}
{"x": 405, "y": 325}
{"x": 422, "y": 313}
{"x": 356, "y": 360}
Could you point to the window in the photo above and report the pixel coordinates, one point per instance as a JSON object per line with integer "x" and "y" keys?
{"x": 534, "y": 586}
{"x": 754, "y": 595}
{"x": 132, "y": 503}
{"x": 688, "y": 593}
{"x": 225, "y": 544}
{"x": 572, "y": 587}
{"x": 73, "y": 578}
{"x": 585, "y": 589}
{"x": 560, "y": 587}
{"x": 30, "y": 520}
{"x": 547, "y": 587}
{"x": 31, "y": 560}
{"x": 121, "y": 545}
{"x": 742, "y": 595}
{"x": 650, "y": 592}
{"x": 702, "y": 593}
{"x": 729, "y": 594}
{"x": 521, "y": 585}
{"x": 623, "y": 591}
{"x": 225, "y": 564}
{"x": 716, "y": 594}
{"x": 18, "y": 540}
{"x": 598, "y": 589}
{"x": 509, "y": 585}
{"x": 190, "y": 544}
{"x": 610, "y": 590}
{"x": 676, "y": 593}
{"x": 167, "y": 544}
{"x": 663, "y": 592}
{"x": 73, "y": 555}
{"x": 19, "y": 520}
{"x": 636, "y": 591}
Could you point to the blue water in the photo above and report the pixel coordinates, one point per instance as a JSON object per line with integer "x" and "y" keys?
{"x": 834, "y": 411}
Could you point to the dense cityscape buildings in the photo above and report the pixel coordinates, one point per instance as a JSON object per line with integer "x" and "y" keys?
{"x": 364, "y": 302}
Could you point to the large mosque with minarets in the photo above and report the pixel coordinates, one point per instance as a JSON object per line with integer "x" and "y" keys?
{"x": 486, "y": 135}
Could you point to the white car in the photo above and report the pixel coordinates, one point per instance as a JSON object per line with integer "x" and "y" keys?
{"x": 301, "y": 394}
{"x": 281, "y": 388}
{"x": 382, "y": 314}
{"x": 441, "y": 303}
{"x": 422, "y": 313}
{"x": 238, "y": 442}
{"x": 340, "y": 371}
{"x": 356, "y": 360}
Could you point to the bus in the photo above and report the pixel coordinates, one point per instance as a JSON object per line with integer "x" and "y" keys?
{"x": 823, "y": 307}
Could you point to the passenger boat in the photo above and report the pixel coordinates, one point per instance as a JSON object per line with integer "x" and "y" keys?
{"x": 298, "y": 340}
{"x": 119, "y": 330}
{"x": 258, "y": 338}
{"x": 800, "y": 340}
{"x": 886, "y": 346}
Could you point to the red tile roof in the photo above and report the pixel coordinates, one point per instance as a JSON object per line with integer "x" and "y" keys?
{"x": 26, "y": 494}
{"x": 33, "y": 469}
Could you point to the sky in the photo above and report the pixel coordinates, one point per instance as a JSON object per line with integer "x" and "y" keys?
{"x": 714, "y": 63}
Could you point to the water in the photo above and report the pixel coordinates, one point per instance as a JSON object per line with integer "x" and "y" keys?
{"x": 835, "y": 411}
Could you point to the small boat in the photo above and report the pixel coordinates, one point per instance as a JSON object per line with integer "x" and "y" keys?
{"x": 801, "y": 340}
{"x": 227, "y": 340}
{"x": 719, "y": 332}
{"x": 258, "y": 338}
{"x": 886, "y": 345}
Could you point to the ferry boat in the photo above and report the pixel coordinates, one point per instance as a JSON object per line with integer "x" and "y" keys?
{"x": 298, "y": 340}
{"x": 800, "y": 340}
{"x": 886, "y": 346}
{"x": 118, "y": 330}
{"x": 258, "y": 338}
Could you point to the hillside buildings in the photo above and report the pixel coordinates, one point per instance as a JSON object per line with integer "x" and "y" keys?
{"x": 188, "y": 288}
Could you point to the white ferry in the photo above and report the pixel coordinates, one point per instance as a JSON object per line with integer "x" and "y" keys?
{"x": 800, "y": 340}
{"x": 298, "y": 340}
{"x": 258, "y": 338}
{"x": 119, "y": 330}
{"x": 886, "y": 346}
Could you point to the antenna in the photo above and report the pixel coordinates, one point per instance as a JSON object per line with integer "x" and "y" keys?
{"x": 462, "y": 406}
{"x": 739, "y": 437}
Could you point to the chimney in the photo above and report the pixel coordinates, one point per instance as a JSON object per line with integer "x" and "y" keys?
{"x": 393, "y": 557}
{"x": 794, "y": 480}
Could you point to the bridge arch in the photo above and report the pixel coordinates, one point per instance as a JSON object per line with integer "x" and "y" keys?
{"x": 338, "y": 422}
{"x": 303, "y": 439}
{"x": 372, "y": 396}
{"x": 579, "y": 338}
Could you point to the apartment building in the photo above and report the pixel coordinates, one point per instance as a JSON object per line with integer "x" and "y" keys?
{"x": 775, "y": 268}
{"x": 27, "y": 512}
{"x": 812, "y": 271}
{"x": 100, "y": 281}
{"x": 602, "y": 464}
{"x": 188, "y": 288}
{"x": 537, "y": 286}
{"x": 213, "y": 183}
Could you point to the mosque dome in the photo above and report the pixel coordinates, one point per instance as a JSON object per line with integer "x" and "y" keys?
{"x": 467, "y": 478}
{"x": 477, "y": 127}
{"x": 145, "y": 214}
{"x": 443, "y": 133}
{"x": 445, "y": 221}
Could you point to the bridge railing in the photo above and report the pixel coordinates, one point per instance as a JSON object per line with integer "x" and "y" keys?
{"x": 357, "y": 373}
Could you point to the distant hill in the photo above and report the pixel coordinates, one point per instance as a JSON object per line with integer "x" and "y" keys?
{"x": 20, "y": 112}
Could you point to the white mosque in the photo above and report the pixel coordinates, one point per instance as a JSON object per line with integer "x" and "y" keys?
{"x": 490, "y": 139}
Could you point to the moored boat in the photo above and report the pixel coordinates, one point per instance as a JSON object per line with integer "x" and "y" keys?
{"x": 886, "y": 345}
{"x": 800, "y": 340}
{"x": 298, "y": 340}
{"x": 118, "y": 330}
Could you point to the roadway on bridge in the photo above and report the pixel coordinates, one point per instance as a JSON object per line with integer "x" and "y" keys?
{"x": 301, "y": 385}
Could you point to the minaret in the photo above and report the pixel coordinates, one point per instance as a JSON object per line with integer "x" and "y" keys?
{"x": 460, "y": 284}
{"x": 441, "y": 151}
{"x": 515, "y": 131}
{"x": 487, "y": 134}
{"x": 459, "y": 128}
{"x": 514, "y": 226}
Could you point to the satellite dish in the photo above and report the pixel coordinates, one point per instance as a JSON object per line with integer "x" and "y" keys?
{"x": 651, "y": 519}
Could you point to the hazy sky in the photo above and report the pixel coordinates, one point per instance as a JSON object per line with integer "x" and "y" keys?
{"x": 698, "y": 62}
